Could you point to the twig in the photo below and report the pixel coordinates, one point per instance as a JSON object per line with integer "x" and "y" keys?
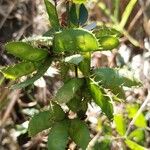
{"x": 10, "y": 9}
{"x": 14, "y": 96}
{"x": 138, "y": 113}
{"x": 93, "y": 141}
{"x": 134, "y": 20}
{"x": 6, "y": 91}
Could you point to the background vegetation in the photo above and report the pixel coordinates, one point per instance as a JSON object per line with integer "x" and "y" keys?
{"x": 24, "y": 18}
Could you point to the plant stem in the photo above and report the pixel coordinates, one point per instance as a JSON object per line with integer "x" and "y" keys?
{"x": 138, "y": 113}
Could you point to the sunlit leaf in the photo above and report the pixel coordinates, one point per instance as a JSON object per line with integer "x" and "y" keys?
{"x": 109, "y": 42}
{"x": 26, "y": 51}
{"x": 79, "y": 1}
{"x": 103, "y": 31}
{"x": 40, "y": 72}
{"x": 120, "y": 124}
{"x": 75, "y": 40}
{"x": 79, "y": 133}
{"x": 134, "y": 146}
{"x": 141, "y": 120}
{"x": 18, "y": 70}
{"x": 138, "y": 135}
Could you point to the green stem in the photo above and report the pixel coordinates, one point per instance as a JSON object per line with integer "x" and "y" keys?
{"x": 116, "y": 9}
{"x": 127, "y": 13}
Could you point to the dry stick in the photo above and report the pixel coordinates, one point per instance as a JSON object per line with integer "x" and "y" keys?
{"x": 134, "y": 20}
{"x": 6, "y": 91}
{"x": 93, "y": 141}
{"x": 12, "y": 5}
{"x": 14, "y": 97}
{"x": 138, "y": 113}
{"x": 137, "y": 16}
{"x": 22, "y": 30}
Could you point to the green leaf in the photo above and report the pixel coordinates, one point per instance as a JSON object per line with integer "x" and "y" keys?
{"x": 108, "y": 37}
{"x": 79, "y": 133}
{"x": 56, "y": 111}
{"x": 85, "y": 65}
{"x": 73, "y": 15}
{"x": 74, "y": 59}
{"x": 79, "y": 1}
{"x": 68, "y": 90}
{"x": 45, "y": 119}
{"x": 40, "y": 72}
{"x": 26, "y": 51}
{"x": 120, "y": 124}
{"x": 52, "y": 13}
{"x": 102, "y": 145}
{"x": 101, "y": 99}
{"x": 64, "y": 69}
{"x": 134, "y": 146}
{"x": 18, "y": 70}
{"x": 138, "y": 135}
{"x": 75, "y": 40}
{"x": 39, "y": 122}
{"x": 49, "y": 33}
{"x": 132, "y": 110}
{"x": 83, "y": 14}
{"x": 58, "y": 136}
{"x": 108, "y": 42}
{"x": 74, "y": 104}
{"x": 114, "y": 79}
{"x": 103, "y": 31}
